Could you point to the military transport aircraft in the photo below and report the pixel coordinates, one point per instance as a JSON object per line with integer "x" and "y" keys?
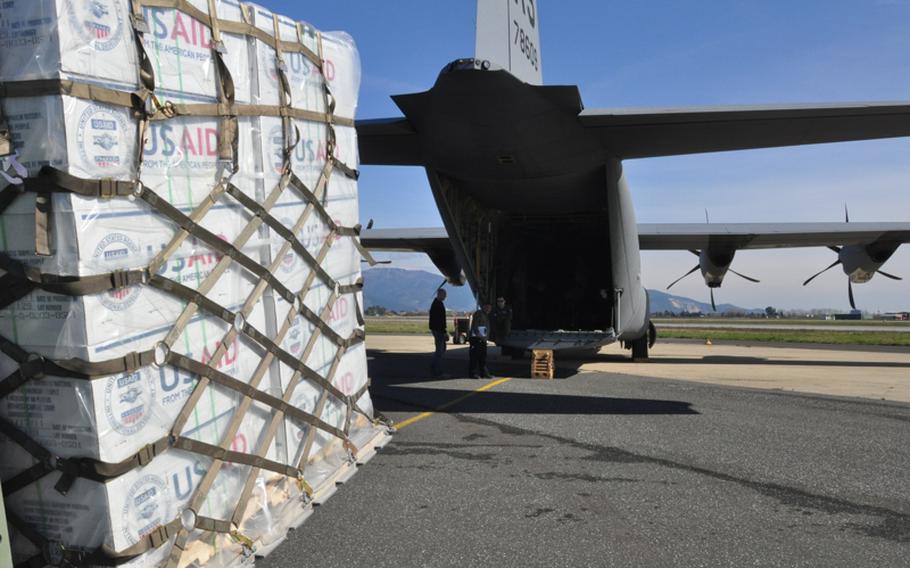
{"x": 530, "y": 188}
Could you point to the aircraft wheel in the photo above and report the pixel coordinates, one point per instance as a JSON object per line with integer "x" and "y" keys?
{"x": 640, "y": 348}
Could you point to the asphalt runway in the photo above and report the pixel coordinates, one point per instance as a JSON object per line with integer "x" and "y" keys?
{"x": 605, "y": 468}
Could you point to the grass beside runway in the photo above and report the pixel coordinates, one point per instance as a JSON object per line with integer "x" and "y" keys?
{"x": 874, "y": 338}
{"x": 378, "y": 325}
{"x": 758, "y": 322}
{"x": 877, "y": 338}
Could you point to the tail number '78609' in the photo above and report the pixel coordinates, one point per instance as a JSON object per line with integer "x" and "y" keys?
{"x": 526, "y": 43}
{"x": 524, "y": 40}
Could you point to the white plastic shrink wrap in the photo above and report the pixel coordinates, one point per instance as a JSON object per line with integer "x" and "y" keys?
{"x": 166, "y": 455}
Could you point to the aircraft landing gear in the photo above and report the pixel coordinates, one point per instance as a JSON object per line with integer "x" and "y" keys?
{"x": 640, "y": 349}
{"x": 641, "y": 346}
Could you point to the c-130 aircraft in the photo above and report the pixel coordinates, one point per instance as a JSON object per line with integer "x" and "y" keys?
{"x": 530, "y": 188}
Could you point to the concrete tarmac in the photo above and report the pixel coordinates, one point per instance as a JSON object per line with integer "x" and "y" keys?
{"x": 604, "y": 467}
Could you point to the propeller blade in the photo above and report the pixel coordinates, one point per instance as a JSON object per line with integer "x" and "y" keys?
{"x": 850, "y": 293}
{"x": 695, "y": 252}
{"x": 713, "y": 307}
{"x": 376, "y": 262}
{"x": 749, "y": 278}
{"x": 891, "y": 276}
{"x": 370, "y": 225}
{"x": 846, "y": 214}
{"x": 444, "y": 280}
{"x": 820, "y": 272}
{"x": 683, "y": 276}
{"x": 835, "y": 249}
{"x": 706, "y": 216}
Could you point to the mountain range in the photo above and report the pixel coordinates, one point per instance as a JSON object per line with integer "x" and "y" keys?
{"x": 403, "y": 290}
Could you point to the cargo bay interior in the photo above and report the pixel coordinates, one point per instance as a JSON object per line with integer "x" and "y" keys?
{"x": 550, "y": 262}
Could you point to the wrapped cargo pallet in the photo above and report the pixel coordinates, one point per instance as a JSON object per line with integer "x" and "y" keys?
{"x": 182, "y": 366}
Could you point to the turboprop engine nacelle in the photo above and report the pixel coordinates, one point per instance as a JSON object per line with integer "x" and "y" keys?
{"x": 861, "y": 262}
{"x": 714, "y": 265}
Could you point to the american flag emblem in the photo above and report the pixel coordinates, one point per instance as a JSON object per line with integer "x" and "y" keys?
{"x": 100, "y": 31}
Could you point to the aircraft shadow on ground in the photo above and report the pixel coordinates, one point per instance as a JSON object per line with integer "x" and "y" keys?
{"x": 391, "y": 370}
{"x": 410, "y": 399}
{"x": 388, "y": 368}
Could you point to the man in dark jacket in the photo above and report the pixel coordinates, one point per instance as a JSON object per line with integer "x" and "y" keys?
{"x": 438, "y": 328}
{"x": 477, "y": 350}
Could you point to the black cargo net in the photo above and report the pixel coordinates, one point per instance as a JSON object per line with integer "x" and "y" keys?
{"x": 21, "y": 279}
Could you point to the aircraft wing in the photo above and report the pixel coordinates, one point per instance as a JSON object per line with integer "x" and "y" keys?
{"x": 646, "y": 133}
{"x": 405, "y": 240}
{"x": 433, "y": 241}
{"x": 389, "y": 142}
{"x": 738, "y": 236}
{"x": 680, "y": 236}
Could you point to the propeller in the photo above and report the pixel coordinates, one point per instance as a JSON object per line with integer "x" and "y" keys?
{"x": 820, "y": 272}
{"x": 697, "y": 266}
{"x": 694, "y": 268}
{"x": 743, "y": 276}
{"x": 837, "y": 250}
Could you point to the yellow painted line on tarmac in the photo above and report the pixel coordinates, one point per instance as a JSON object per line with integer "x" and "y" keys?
{"x": 451, "y": 403}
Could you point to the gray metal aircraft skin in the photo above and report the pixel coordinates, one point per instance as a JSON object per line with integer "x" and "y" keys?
{"x": 506, "y": 156}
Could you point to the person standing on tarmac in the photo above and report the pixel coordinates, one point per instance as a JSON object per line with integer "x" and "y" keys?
{"x": 438, "y": 328}
{"x": 477, "y": 351}
{"x": 500, "y": 321}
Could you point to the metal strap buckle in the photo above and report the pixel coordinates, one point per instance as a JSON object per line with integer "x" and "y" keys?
{"x": 32, "y": 367}
{"x": 139, "y": 23}
{"x": 107, "y": 188}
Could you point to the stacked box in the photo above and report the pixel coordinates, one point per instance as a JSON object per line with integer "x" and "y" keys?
{"x": 110, "y": 418}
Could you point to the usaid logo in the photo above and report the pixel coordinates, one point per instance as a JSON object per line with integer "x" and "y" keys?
{"x": 175, "y": 28}
{"x": 99, "y": 135}
{"x": 128, "y": 399}
{"x": 147, "y": 506}
{"x": 114, "y": 248}
{"x": 98, "y": 22}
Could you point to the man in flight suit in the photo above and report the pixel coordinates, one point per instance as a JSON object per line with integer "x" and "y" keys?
{"x": 477, "y": 352}
{"x": 500, "y": 320}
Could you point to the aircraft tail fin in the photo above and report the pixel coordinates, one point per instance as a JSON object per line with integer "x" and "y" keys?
{"x": 508, "y": 35}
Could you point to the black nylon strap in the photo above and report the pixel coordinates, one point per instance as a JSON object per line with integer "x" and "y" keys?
{"x": 7, "y": 195}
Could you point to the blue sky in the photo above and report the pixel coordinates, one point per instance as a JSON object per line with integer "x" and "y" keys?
{"x": 650, "y": 53}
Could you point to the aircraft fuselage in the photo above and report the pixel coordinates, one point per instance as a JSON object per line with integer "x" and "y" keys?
{"x": 536, "y": 210}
